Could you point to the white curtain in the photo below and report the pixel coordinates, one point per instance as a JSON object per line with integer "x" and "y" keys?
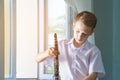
{"x": 72, "y": 4}
{"x": 80, "y": 5}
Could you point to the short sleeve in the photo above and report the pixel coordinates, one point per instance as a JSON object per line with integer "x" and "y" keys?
{"x": 96, "y": 64}
{"x": 49, "y": 61}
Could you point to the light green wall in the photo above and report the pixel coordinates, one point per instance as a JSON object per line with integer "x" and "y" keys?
{"x": 103, "y": 34}
{"x": 1, "y": 39}
{"x": 107, "y": 36}
{"x": 83, "y": 5}
{"x": 116, "y": 40}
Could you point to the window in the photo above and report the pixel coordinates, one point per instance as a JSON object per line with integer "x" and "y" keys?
{"x": 29, "y": 29}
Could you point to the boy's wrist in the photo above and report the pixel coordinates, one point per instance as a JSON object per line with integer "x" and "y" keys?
{"x": 48, "y": 53}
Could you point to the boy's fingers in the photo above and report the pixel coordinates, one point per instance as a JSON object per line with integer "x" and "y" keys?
{"x": 53, "y": 52}
{"x": 50, "y": 51}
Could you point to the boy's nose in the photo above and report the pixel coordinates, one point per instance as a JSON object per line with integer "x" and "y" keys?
{"x": 80, "y": 34}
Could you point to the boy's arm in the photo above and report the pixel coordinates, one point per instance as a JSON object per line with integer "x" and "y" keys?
{"x": 49, "y": 52}
{"x": 91, "y": 76}
{"x": 42, "y": 56}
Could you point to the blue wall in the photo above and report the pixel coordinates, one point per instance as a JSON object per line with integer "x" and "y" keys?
{"x": 116, "y": 40}
{"x": 107, "y": 35}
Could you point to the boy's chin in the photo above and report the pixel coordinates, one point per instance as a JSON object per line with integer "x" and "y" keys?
{"x": 81, "y": 41}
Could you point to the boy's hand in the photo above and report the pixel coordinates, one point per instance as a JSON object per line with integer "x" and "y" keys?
{"x": 53, "y": 52}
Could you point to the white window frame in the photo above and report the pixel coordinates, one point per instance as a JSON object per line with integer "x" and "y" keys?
{"x": 12, "y": 67}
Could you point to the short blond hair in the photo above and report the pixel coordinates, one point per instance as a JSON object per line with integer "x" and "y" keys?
{"x": 89, "y": 19}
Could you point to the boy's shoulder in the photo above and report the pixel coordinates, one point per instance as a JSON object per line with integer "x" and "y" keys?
{"x": 92, "y": 46}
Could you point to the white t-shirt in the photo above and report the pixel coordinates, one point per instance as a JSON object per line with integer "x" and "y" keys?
{"x": 77, "y": 63}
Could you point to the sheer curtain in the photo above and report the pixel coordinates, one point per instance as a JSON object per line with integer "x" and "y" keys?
{"x": 78, "y": 6}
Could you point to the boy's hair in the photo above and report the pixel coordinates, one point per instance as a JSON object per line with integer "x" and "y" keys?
{"x": 87, "y": 18}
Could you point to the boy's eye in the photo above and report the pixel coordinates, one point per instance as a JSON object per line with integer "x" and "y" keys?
{"x": 84, "y": 34}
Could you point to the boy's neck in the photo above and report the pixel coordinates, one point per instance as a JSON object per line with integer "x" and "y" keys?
{"x": 76, "y": 44}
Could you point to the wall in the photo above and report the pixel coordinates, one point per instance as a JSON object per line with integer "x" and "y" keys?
{"x": 1, "y": 39}
{"x": 104, "y": 32}
{"x": 116, "y": 40}
{"x": 107, "y": 36}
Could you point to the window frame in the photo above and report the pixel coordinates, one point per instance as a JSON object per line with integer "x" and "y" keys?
{"x": 12, "y": 65}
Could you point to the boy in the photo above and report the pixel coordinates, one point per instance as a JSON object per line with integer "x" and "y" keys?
{"x": 78, "y": 58}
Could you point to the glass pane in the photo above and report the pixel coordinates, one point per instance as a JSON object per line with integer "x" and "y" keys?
{"x": 7, "y": 38}
{"x": 48, "y": 69}
{"x": 26, "y": 38}
{"x": 56, "y": 24}
{"x": 56, "y": 19}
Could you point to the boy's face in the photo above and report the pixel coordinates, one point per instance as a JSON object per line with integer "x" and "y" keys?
{"x": 81, "y": 32}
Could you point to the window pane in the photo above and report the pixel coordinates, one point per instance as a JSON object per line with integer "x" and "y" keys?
{"x": 56, "y": 24}
{"x": 26, "y": 38}
{"x": 56, "y": 19}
